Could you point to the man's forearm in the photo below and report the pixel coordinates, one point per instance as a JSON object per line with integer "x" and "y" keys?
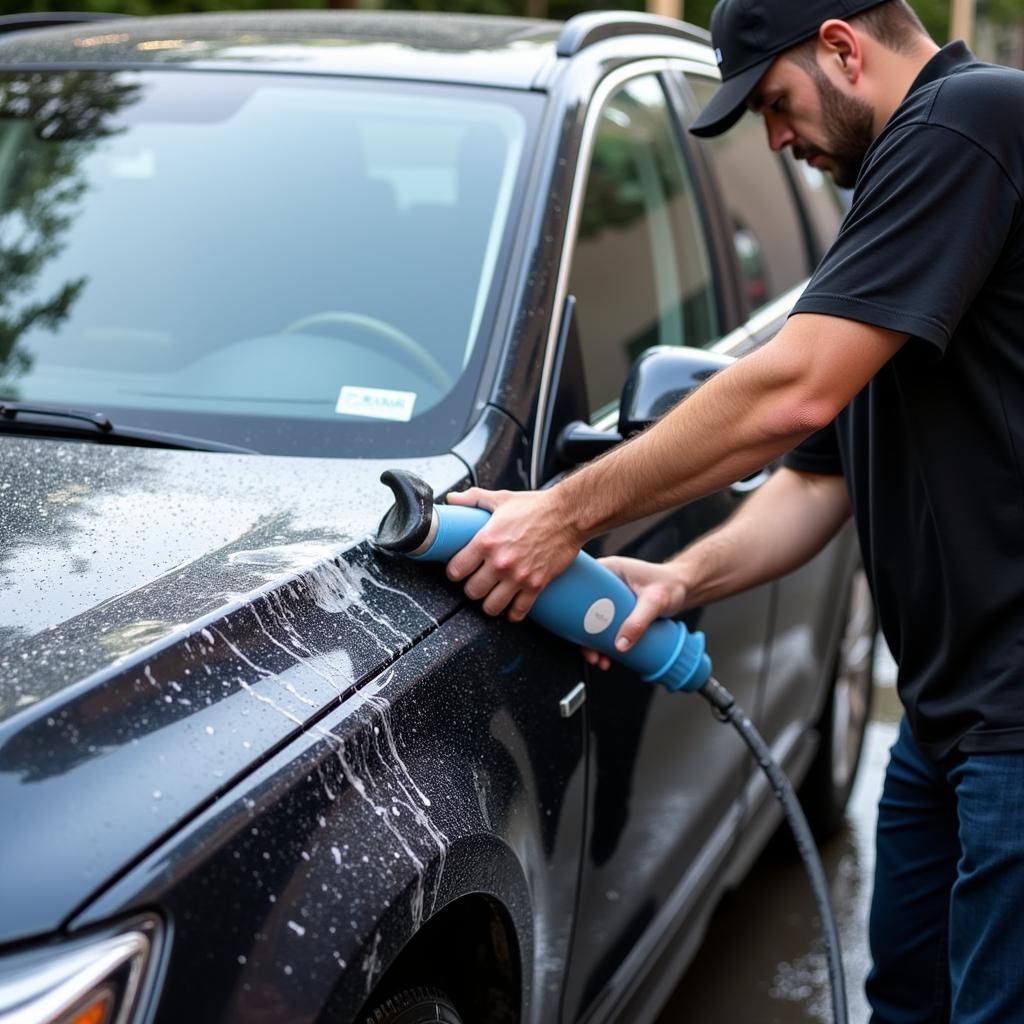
{"x": 779, "y": 528}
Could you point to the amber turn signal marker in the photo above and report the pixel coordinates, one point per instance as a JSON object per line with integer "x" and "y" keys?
{"x": 94, "y": 1013}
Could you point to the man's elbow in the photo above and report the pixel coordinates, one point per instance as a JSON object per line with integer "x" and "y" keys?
{"x": 817, "y": 364}
{"x": 809, "y": 413}
{"x": 801, "y": 397}
{"x": 798, "y": 415}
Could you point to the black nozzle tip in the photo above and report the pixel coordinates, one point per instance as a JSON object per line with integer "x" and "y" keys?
{"x": 406, "y": 524}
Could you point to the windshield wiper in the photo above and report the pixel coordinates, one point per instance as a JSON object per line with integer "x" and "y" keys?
{"x": 86, "y": 424}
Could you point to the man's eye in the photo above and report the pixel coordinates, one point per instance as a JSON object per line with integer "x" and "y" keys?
{"x": 776, "y": 105}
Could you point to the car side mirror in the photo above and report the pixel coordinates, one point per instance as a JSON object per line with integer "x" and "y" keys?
{"x": 661, "y": 377}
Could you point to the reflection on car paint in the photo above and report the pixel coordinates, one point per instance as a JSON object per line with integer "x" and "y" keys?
{"x": 195, "y": 542}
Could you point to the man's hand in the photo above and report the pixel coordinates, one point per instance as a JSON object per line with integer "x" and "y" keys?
{"x": 660, "y": 592}
{"x": 528, "y": 542}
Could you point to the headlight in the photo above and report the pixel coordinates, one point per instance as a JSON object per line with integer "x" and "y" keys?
{"x": 98, "y": 980}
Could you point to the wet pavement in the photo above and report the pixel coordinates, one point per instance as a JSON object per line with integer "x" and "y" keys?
{"x": 762, "y": 961}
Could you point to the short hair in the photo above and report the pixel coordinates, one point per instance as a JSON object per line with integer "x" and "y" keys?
{"x": 893, "y": 23}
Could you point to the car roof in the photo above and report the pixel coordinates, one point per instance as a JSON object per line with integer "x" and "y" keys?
{"x": 480, "y": 49}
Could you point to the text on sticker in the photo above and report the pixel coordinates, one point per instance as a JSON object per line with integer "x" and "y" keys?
{"x": 377, "y": 403}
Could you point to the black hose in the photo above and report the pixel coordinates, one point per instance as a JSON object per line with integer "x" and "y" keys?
{"x": 727, "y": 710}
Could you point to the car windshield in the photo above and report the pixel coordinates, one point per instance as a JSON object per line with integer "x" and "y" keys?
{"x": 298, "y": 265}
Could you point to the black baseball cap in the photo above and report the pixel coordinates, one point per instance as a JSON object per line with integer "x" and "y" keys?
{"x": 748, "y": 35}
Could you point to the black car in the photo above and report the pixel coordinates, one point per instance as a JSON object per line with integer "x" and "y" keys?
{"x": 252, "y": 768}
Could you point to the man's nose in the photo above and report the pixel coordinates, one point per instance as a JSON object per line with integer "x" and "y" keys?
{"x": 780, "y": 134}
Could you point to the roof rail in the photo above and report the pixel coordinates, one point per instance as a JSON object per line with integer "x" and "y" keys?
{"x": 51, "y": 19}
{"x": 584, "y": 30}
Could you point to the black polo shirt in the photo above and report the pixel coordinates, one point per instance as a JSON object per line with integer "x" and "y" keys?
{"x": 933, "y": 448}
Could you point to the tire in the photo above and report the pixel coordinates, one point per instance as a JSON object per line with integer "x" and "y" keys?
{"x": 826, "y": 789}
{"x": 415, "y": 1006}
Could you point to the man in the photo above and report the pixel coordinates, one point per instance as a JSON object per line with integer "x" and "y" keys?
{"x": 899, "y": 383}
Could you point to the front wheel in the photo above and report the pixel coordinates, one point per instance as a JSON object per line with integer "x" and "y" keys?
{"x": 842, "y": 725}
{"x": 415, "y": 1006}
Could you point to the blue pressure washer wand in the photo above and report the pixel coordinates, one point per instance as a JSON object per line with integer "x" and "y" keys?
{"x": 586, "y": 605}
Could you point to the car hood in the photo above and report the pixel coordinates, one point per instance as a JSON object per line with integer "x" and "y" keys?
{"x": 166, "y": 619}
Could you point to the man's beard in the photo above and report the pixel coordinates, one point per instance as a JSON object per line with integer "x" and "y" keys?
{"x": 849, "y": 128}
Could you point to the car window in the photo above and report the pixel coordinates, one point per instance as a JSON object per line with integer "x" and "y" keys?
{"x": 295, "y": 264}
{"x": 641, "y": 273}
{"x": 823, "y": 202}
{"x": 763, "y": 219}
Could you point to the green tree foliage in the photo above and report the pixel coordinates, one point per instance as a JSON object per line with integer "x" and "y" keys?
{"x": 51, "y": 121}
{"x": 934, "y": 13}
{"x": 140, "y": 7}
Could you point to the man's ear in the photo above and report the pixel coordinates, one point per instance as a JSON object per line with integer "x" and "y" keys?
{"x": 842, "y": 48}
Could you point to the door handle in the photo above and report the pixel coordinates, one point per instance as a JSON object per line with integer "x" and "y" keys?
{"x": 573, "y": 700}
{"x": 750, "y": 483}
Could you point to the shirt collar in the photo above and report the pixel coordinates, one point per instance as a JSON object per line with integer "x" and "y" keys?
{"x": 945, "y": 62}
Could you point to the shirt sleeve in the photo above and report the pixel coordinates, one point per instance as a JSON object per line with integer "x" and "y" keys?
{"x": 931, "y": 215}
{"x": 819, "y": 453}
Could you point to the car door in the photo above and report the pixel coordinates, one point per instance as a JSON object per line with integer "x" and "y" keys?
{"x": 664, "y": 779}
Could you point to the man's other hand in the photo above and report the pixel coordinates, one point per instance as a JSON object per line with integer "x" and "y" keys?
{"x": 660, "y": 593}
{"x": 529, "y": 540}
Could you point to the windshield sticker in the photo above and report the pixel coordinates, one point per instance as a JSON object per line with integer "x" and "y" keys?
{"x": 378, "y": 403}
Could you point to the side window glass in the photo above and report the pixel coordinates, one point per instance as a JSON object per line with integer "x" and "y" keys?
{"x": 641, "y": 273}
{"x": 823, "y": 202}
{"x": 762, "y": 215}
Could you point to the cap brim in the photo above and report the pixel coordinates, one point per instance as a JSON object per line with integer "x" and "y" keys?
{"x": 727, "y": 105}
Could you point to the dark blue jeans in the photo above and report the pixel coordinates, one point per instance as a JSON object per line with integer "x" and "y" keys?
{"x": 947, "y": 914}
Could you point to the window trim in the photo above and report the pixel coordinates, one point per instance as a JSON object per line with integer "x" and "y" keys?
{"x": 598, "y": 101}
{"x": 763, "y": 325}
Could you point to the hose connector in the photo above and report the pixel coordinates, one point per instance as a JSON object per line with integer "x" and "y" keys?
{"x": 687, "y": 668}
